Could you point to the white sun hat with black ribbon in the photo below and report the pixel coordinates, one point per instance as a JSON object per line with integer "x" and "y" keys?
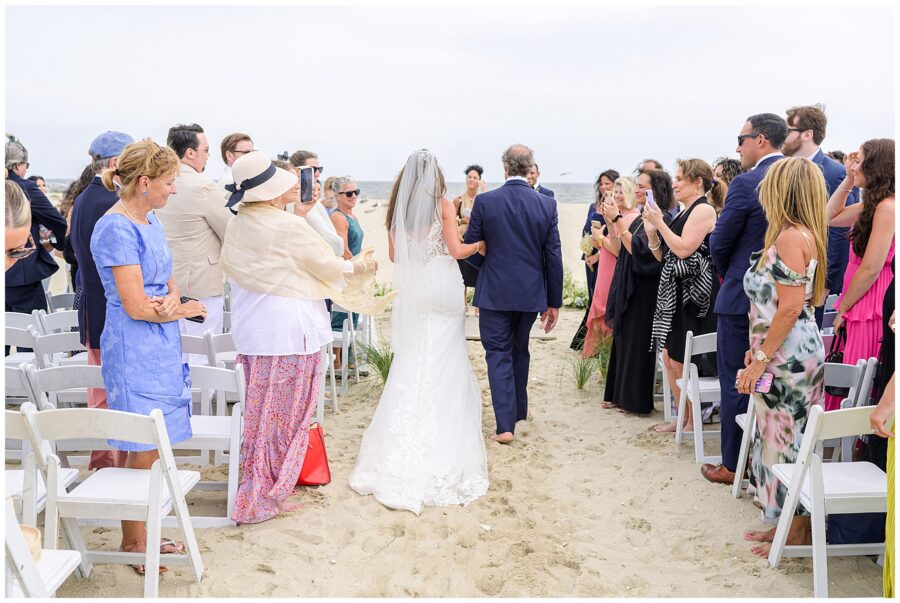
{"x": 257, "y": 179}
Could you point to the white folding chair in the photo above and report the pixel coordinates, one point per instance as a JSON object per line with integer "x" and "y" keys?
{"x": 17, "y": 393}
{"x": 220, "y": 348}
{"x": 346, "y": 338}
{"x": 58, "y": 349}
{"x": 823, "y": 488}
{"x": 836, "y": 375}
{"x": 668, "y": 401}
{"x": 696, "y": 391}
{"x": 20, "y": 320}
{"x": 327, "y": 373}
{"x": 116, "y": 493}
{"x": 27, "y": 485}
{"x": 60, "y": 301}
{"x": 830, "y": 301}
{"x": 55, "y": 322}
{"x": 828, "y": 323}
{"x": 220, "y": 433}
{"x": 19, "y": 338}
{"x": 52, "y": 386}
{"x": 26, "y": 577}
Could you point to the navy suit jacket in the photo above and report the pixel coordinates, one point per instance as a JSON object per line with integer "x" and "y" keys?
{"x": 838, "y": 236}
{"x": 38, "y": 265}
{"x": 740, "y": 230}
{"x": 545, "y": 191}
{"x": 522, "y": 271}
{"x": 89, "y": 207}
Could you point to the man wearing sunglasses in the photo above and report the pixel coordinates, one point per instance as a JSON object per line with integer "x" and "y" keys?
{"x": 740, "y": 230}
{"x": 24, "y": 291}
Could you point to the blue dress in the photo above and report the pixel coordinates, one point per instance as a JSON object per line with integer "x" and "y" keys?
{"x": 142, "y": 363}
{"x": 354, "y": 242}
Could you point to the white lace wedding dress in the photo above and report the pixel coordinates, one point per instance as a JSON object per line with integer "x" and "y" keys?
{"x": 425, "y": 445}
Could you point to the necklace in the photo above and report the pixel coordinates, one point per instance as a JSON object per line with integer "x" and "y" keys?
{"x": 128, "y": 213}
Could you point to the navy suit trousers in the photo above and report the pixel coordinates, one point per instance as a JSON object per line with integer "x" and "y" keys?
{"x": 504, "y": 336}
{"x": 733, "y": 341}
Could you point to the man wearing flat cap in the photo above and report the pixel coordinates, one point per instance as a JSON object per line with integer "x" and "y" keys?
{"x": 24, "y": 291}
{"x": 88, "y": 208}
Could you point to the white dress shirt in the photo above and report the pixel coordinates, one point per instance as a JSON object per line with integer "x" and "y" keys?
{"x": 320, "y": 221}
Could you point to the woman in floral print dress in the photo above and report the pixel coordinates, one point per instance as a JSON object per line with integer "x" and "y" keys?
{"x": 784, "y": 283}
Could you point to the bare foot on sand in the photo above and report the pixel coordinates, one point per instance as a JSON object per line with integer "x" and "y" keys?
{"x": 800, "y": 533}
{"x": 665, "y": 428}
{"x": 608, "y": 405}
{"x": 503, "y": 438}
{"x": 757, "y": 536}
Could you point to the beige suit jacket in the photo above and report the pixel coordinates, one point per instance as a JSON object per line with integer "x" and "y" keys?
{"x": 195, "y": 218}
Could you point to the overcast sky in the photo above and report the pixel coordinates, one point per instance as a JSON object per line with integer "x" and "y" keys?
{"x": 588, "y": 88}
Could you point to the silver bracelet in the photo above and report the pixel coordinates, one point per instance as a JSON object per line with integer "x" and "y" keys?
{"x": 658, "y": 245}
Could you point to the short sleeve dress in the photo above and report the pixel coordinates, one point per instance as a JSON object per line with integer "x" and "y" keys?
{"x": 799, "y": 375}
{"x": 141, "y": 361}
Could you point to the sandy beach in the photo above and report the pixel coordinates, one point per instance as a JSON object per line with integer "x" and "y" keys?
{"x": 586, "y": 503}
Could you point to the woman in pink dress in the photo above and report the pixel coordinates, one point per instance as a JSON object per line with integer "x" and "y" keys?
{"x": 871, "y": 248}
{"x": 623, "y": 196}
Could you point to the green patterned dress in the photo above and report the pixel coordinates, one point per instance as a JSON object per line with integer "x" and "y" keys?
{"x": 798, "y": 367}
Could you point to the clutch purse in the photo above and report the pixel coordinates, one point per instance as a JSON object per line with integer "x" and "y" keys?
{"x": 315, "y": 471}
{"x": 836, "y": 355}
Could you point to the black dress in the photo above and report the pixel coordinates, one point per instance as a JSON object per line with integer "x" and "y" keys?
{"x": 632, "y": 301}
{"x": 685, "y": 318}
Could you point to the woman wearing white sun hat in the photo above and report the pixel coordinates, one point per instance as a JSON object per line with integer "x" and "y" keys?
{"x": 280, "y": 271}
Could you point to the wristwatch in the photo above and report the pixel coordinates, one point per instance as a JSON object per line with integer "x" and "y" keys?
{"x": 761, "y": 356}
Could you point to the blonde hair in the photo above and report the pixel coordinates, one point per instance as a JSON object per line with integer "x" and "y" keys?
{"x": 692, "y": 169}
{"x": 143, "y": 158}
{"x": 793, "y": 194}
{"x": 626, "y": 183}
{"x": 18, "y": 209}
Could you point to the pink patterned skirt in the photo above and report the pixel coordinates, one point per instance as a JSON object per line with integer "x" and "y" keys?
{"x": 281, "y": 402}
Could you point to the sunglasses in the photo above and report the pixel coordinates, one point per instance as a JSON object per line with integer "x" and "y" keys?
{"x": 350, "y": 193}
{"x": 743, "y": 137}
{"x": 23, "y": 252}
{"x": 318, "y": 168}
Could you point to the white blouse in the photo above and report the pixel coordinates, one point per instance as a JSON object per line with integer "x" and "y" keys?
{"x": 263, "y": 324}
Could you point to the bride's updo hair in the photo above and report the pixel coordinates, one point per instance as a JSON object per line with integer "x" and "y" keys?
{"x": 440, "y": 189}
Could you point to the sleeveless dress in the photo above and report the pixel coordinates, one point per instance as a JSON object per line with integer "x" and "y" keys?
{"x": 685, "y": 317}
{"x": 354, "y": 242}
{"x": 425, "y": 445}
{"x": 798, "y": 368}
{"x": 468, "y": 271}
{"x": 864, "y": 329}
{"x": 141, "y": 361}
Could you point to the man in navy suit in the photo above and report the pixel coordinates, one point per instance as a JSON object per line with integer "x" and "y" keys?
{"x": 534, "y": 174}
{"x": 520, "y": 276}
{"x": 740, "y": 231}
{"x": 806, "y": 131}
{"x": 24, "y": 291}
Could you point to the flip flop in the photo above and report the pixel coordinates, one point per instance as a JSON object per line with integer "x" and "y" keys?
{"x": 607, "y": 405}
{"x": 179, "y": 547}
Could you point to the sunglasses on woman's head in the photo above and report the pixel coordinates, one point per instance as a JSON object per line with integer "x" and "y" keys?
{"x": 22, "y": 252}
{"x": 350, "y": 193}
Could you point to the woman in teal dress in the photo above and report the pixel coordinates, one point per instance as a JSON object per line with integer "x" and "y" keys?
{"x": 347, "y": 226}
{"x": 140, "y": 346}
{"x": 785, "y": 282}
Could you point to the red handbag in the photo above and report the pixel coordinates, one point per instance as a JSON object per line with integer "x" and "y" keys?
{"x": 315, "y": 471}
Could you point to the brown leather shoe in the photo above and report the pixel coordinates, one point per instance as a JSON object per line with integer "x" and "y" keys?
{"x": 717, "y": 474}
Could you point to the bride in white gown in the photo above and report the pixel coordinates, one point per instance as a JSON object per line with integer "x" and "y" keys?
{"x": 425, "y": 445}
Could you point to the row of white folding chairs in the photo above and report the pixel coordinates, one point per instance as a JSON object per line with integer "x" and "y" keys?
{"x": 221, "y": 434}
{"x": 111, "y": 494}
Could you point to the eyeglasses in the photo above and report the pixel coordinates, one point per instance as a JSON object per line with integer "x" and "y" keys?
{"x": 795, "y": 130}
{"x": 23, "y": 252}
{"x": 350, "y": 193}
{"x": 743, "y": 137}
{"x": 236, "y": 152}
{"x": 319, "y": 168}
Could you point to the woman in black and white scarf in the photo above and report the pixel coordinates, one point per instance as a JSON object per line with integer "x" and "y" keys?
{"x": 688, "y": 283}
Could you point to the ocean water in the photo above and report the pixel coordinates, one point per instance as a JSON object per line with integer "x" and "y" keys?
{"x": 568, "y": 192}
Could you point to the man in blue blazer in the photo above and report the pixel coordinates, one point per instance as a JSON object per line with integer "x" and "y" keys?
{"x": 533, "y": 176}
{"x": 740, "y": 231}
{"x": 24, "y": 291}
{"x": 806, "y": 131}
{"x": 520, "y": 276}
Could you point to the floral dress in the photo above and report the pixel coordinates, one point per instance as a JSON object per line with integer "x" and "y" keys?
{"x": 798, "y": 368}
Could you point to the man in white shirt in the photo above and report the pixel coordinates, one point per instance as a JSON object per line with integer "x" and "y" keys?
{"x": 233, "y": 146}
{"x": 195, "y": 219}
{"x": 316, "y": 215}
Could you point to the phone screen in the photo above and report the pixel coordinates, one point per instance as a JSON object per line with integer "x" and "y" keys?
{"x": 307, "y": 175}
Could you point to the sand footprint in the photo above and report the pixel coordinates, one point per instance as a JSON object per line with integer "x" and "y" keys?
{"x": 490, "y": 583}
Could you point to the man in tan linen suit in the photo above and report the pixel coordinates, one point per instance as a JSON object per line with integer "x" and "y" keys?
{"x": 194, "y": 219}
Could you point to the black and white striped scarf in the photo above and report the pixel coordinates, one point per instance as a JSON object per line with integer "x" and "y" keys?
{"x": 696, "y": 274}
